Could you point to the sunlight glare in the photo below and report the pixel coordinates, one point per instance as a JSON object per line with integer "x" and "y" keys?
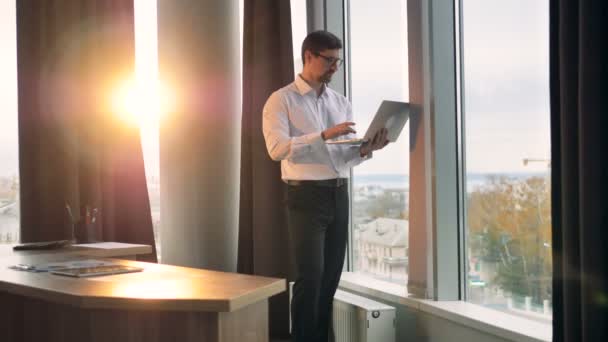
{"x": 141, "y": 102}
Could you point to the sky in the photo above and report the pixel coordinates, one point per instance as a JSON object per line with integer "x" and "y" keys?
{"x": 506, "y": 81}
{"x": 146, "y": 62}
{"x": 506, "y": 73}
{"x": 379, "y": 71}
{"x": 505, "y": 56}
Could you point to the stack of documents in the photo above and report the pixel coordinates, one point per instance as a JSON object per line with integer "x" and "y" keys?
{"x": 78, "y": 268}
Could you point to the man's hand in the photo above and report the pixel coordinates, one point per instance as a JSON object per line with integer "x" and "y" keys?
{"x": 338, "y": 130}
{"x": 378, "y": 142}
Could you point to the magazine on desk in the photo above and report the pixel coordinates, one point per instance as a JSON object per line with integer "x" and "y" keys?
{"x": 78, "y": 268}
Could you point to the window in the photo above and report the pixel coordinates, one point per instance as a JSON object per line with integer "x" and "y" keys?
{"x": 505, "y": 56}
{"x": 146, "y": 51}
{"x": 380, "y": 190}
{"x": 146, "y": 59}
{"x": 9, "y": 152}
{"x": 299, "y": 32}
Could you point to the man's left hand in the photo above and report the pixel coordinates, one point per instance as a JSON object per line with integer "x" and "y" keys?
{"x": 378, "y": 142}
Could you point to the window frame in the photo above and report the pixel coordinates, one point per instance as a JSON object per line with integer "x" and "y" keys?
{"x": 434, "y": 44}
{"x": 435, "y": 40}
{"x": 459, "y": 16}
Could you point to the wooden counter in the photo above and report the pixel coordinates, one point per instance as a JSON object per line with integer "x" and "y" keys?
{"x": 162, "y": 303}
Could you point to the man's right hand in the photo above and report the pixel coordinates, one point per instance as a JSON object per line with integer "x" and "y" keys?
{"x": 338, "y": 130}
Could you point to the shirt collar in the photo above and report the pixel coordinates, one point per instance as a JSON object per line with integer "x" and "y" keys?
{"x": 304, "y": 88}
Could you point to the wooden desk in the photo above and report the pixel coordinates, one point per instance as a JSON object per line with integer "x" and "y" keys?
{"x": 162, "y": 303}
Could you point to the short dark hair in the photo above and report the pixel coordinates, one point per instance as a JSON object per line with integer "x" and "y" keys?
{"x": 318, "y": 41}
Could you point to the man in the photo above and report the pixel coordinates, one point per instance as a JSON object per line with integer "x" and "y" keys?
{"x": 298, "y": 121}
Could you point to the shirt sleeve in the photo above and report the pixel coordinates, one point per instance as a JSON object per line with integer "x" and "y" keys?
{"x": 279, "y": 143}
{"x": 351, "y": 154}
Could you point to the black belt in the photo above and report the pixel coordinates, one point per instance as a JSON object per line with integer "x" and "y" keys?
{"x": 332, "y": 183}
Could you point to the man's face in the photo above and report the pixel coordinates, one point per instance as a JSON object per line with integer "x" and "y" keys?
{"x": 322, "y": 65}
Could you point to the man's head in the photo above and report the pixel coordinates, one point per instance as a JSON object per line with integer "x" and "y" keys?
{"x": 321, "y": 55}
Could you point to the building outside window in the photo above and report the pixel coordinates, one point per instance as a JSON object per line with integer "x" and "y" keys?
{"x": 505, "y": 53}
{"x": 378, "y": 65}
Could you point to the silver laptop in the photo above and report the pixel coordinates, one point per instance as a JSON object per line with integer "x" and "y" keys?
{"x": 391, "y": 115}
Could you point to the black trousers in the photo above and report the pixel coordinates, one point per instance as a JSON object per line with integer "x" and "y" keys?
{"x": 318, "y": 228}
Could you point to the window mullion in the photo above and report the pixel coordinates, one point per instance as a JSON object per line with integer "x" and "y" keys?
{"x": 434, "y": 182}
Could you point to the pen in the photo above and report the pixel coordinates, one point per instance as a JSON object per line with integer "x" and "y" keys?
{"x": 94, "y": 215}
{"x": 69, "y": 211}
{"x": 25, "y": 267}
{"x": 88, "y": 215}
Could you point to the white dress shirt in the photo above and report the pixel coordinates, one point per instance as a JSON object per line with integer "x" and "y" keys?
{"x": 294, "y": 117}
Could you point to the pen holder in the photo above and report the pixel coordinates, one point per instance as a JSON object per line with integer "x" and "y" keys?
{"x": 85, "y": 232}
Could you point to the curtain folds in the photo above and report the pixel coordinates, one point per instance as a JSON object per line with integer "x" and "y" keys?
{"x": 267, "y": 66}
{"x": 579, "y": 120}
{"x": 73, "y": 148}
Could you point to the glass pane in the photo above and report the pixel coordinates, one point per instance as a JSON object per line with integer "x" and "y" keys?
{"x": 146, "y": 58}
{"x": 378, "y": 65}
{"x": 506, "y": 96}
{"x": 299, "y": 31}
{"x": 9, "y": 151}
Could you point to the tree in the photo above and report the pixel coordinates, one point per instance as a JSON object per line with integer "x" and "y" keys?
{"x": 509, "y": 223}
{"x": 390, "y": 204}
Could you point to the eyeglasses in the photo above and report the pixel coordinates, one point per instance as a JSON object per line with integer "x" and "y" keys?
{"x": 330, "y": 60}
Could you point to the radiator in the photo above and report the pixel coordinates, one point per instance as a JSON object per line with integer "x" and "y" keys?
{"x": 360, "y": 319}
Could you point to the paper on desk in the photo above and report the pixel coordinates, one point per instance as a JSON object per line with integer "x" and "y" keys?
{"x": 51, "y": 266}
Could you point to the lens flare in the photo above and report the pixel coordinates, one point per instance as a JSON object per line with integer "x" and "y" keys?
{"x": 141, "y": 101}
